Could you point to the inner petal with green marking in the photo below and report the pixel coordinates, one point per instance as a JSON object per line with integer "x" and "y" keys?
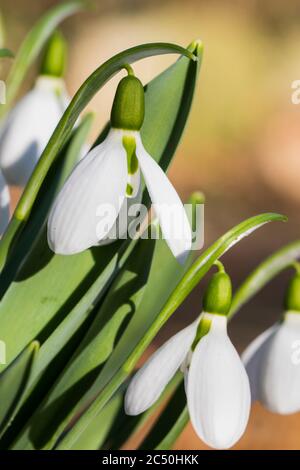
{"x": 133, "y": 170}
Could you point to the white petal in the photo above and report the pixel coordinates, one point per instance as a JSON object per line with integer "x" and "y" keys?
{"x": 89, "y": 202}
{"x": 167, "y": 204}
{"x": 278, "y": 370}
{"x": 251, "y": 358}
{"x": 28, "y": 128}
{"x": 4, "y": 204}
{"x": 218, "y": 389}
{"x": 150, "y": 381}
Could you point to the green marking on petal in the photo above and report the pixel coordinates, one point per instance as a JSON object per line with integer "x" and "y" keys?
{"x": 202, "y": 330}
{"x": 130, "y": 146}
{"x": 129, "y": 190}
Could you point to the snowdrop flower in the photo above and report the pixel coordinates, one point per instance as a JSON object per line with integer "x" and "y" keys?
{"x": 4, "y": 204}
{"x": 273, "y": 359}
{"x": 216, "y": 383}
{"x": 89, "y": 203}
{"x": 30, "y": 124}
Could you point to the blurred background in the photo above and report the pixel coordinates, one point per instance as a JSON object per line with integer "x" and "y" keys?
{"x": 242, "y": 143}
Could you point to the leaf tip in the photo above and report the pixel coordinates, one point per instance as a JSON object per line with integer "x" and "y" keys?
{"x": 196, "y": 47}
{"x": 34, "y": 346}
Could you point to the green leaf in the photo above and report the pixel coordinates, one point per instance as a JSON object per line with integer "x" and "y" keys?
{"x": 99, "y": 428}
{"x": 48, "y": 286}
{"x": 6, "y": 53}
{"x": 33, "y": 44}
{"x": 264, "y": 273}
{"x": 170, "y": 423}
{"x": 117, "y": 368}
{"x": 119, "y": 305}
{"x": 13, "y": 382}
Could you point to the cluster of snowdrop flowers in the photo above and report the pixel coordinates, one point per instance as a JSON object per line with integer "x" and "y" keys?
{"x": 108, "y": 176}
{"x": 219, "y": 385}
{"x": 28, "y": 127}
{"x": 216, "y": 383}
{"x": 273, "y": 359}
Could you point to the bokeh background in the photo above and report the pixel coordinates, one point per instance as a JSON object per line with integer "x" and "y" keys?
{"x": 241, "y": 146}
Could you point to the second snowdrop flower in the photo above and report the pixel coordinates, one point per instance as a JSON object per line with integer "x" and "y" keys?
{"x": 216, "y": 383}
{"x": 107, "y": 175}
{"x": 31, "y": 122}
{"x": 272, "y": 360}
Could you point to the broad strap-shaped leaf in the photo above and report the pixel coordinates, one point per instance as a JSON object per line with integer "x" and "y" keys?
{"x": 33, "y": 44}
{"x": 117, "y": 369}
{"x": 99, "y": 428}
{"x": 119, "y": 305}
{"x": 13, "y": 382}
{"x": 264, "y": 273}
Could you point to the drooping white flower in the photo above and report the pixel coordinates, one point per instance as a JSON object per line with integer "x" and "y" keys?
{"x": 4, "y": 204}
{"x": 272, "y": 361}
{"x": 29, "y": 126}
{"x": 217, "y": 386}
{"x": 218, "y": 390}
{"x": 89, "y": 203}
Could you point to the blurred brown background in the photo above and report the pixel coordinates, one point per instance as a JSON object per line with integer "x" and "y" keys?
{"x": 242, "y": 144}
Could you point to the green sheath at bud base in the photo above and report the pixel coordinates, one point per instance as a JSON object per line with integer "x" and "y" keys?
{"x": 218, "y": 294}
{"x": 54, "y": 60}
{"x": 292, "y": 297}
{"x": 128, "y": 108}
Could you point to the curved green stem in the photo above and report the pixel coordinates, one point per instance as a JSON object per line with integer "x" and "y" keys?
{"x": 296, "y": 266}
{"x": 220, "y": 266}
{"x": 129, "y": 70}
{"x": 264, "y": 273}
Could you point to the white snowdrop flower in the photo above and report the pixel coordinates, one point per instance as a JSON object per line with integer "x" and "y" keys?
{"x": 273, "y": 364}
{"x": 4, "y": 204}
{"x": 89, "y": 203}
{"x": 29, "y": 126}
{"x": 272, "y": 360}
{"x": 218, "y": 390}
{"x": 216, "y": 383}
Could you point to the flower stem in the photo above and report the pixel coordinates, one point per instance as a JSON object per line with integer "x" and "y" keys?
{"x": 264, "y": 273}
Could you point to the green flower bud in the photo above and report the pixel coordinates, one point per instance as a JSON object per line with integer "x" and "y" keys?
{"x": 292, "y": 297}
{"x": 218, "y": 294}
{"x": 128, "y": 108}
{"x": 54, "y": 59}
